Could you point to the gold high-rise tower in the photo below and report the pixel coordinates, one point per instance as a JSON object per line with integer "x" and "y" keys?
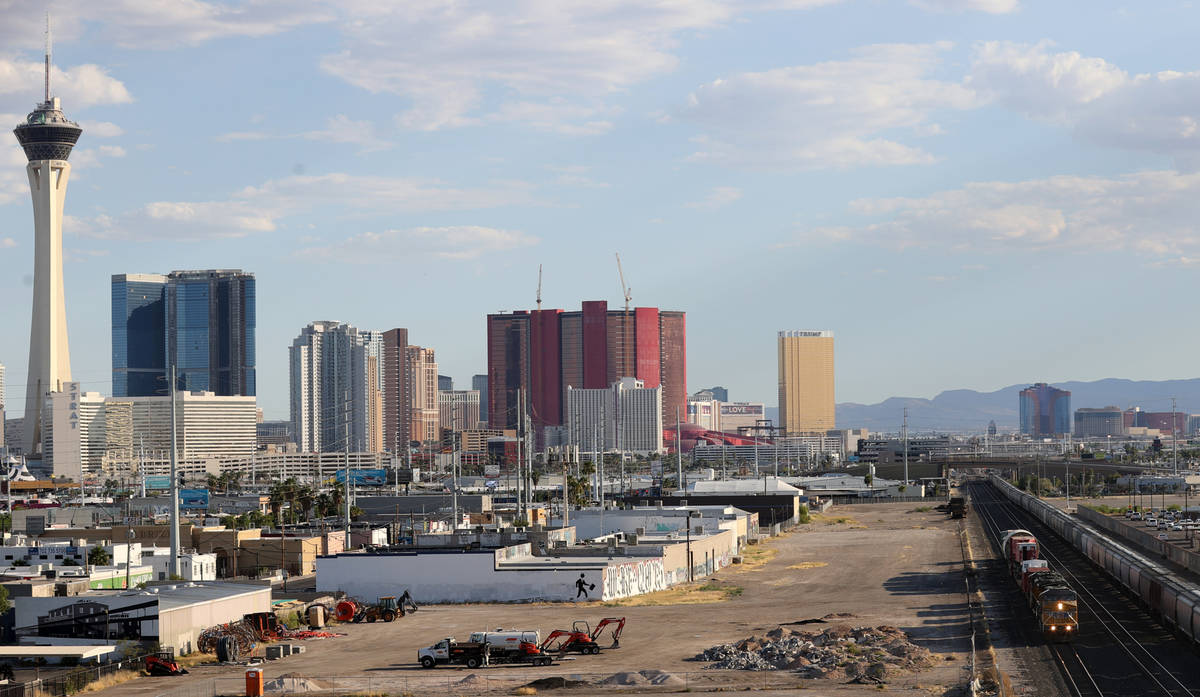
{"x": 806, "y": 403}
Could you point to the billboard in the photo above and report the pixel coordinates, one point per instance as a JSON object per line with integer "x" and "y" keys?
{"x": 364, "y": 477}
{"x": 742, "y": 409}
{"x": 158, "y": 482}
{"x": 193, "y": 498}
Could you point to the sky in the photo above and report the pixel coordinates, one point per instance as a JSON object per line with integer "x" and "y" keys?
{"x": 968, "y": 193}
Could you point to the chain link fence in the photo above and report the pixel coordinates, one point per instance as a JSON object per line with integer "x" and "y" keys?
{"x": 460, "y": 682}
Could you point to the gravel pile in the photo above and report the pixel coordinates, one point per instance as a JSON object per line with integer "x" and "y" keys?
{"x": 862, "y": 654}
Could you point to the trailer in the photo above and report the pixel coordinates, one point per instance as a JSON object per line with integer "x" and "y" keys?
{"x": 486, "y": 648}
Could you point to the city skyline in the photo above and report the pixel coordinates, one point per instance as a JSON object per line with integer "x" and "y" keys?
{"x": 933, "y": 198}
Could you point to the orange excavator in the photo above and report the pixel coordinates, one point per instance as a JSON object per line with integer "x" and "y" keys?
{"x": 582, "y": 639}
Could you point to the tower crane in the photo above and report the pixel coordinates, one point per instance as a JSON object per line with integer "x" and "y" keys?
{"x": 539, "y": 290}
{"x": 628, "y": 292}
{"x": 624, "y": 288}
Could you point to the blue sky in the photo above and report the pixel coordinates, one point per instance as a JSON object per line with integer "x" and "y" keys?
{"x": 969, "y": 193}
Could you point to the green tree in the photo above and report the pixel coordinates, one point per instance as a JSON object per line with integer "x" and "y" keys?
{"x": 98, "y": 556}
{"x": 306, "y": 496}
{"x": 5, "y": 603}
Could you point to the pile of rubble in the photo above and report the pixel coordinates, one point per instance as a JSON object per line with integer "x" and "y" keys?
{"x": 861, "y": 654}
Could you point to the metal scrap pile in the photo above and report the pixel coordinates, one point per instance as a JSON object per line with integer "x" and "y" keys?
{"x": 862, "y": 654}
{"x": 253, "y": 629}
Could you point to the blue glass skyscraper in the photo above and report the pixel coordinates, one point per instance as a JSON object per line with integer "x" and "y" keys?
{"x": 138, "y": 335}
{"x": 203, "y": 324}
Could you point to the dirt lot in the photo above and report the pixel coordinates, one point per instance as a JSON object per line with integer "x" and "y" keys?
{"x": 884, "y": 564}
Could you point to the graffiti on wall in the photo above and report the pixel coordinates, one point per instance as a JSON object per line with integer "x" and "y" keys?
{"x": 634, "y": 578}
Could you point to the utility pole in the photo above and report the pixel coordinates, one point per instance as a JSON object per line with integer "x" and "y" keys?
{"x": 454, "y": 478}
{"x": 1174, "y": 440}
{"x": 679, "y": 454}
{"x": 346, "y": 450}
{"x": 174, "y": 481}
{"x": 905, "y": 446}
{"x": 520, "y": 442}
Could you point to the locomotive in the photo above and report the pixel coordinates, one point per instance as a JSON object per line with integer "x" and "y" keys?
{"x": 1050, "y": 598}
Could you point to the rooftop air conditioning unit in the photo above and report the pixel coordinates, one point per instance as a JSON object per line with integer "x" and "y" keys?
{"x": 639, "y": 531}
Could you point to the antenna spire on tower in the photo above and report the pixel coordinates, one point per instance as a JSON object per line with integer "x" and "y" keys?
{"x": 49, "y": 43}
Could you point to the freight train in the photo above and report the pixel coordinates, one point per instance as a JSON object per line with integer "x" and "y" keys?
{"x": 1168, "y": 598}
{"x": 1046, "y": 591}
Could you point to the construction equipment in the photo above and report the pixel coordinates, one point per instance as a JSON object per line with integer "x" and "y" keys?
{"x": 485, "y": 648}
{"x": 567, "y": 640}
{"x": 163, "y": 663}
{"x": 618, "y": 626}
{"x": 385, "y": 609}
{"x": 583, "y": 639}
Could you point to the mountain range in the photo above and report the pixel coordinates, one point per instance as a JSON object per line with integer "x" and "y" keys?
{"x": 970, "y": 410}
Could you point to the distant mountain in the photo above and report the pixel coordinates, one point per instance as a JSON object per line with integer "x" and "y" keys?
{"x": 968, "y": 410}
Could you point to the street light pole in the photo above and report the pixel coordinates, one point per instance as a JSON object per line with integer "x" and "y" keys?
{"x": 174, "y": 565}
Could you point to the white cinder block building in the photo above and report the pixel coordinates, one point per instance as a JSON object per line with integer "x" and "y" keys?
{"x": 626, "y": 416}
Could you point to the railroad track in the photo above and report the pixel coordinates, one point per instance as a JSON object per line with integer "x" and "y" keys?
{"x": 1119, "y": 650}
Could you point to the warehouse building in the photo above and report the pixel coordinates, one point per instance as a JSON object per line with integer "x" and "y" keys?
{"x": 172, "y": 615}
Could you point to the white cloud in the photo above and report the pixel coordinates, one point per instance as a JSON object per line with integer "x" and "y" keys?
{"x": 79, "y": 86}
{"x": 243, "y": 135}
{"x": 1150, "y": 213}
{"x": 458, "y": 242}
{"x": 101, "y": 129}
{"x": 7, "y": 243}
{"x": 338, "y": 129}
{"x": 112, "y": 150}
{"x": 996, "y": 7}
{"x": 576, "y": 175}
{"x": 1030, "y": 79}
{"x": 719, "y": 197}
{"x": 156, "y": 24}
{"x": 544, "y": 63}
{"x": 1156, "y": 112}
{"x": 259, "y": 209}
{"x": 826, "y": 115}
{"x": 343, "y": 129}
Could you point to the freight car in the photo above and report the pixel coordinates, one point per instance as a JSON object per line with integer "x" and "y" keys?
{"x": 1050, "y": 598}
{"x": 1171, "y": 601}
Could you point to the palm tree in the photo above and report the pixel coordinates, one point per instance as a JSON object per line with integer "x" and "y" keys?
{"x": 235, "y": 481}
{"x": 324, "y": 503}
{"x": 305, "y": 496}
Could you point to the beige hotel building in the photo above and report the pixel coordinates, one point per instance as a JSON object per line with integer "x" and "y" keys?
{"x": 806, "y": 400}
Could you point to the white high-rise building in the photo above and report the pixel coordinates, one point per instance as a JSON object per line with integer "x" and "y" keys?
{"x": 626, "y": 416}
{"x": 458, "y": 410}
{"x": 47, "y": 138}
{"x": 109, "y": 435}
{"x": 336, "y": 388}
{"x": 639, "y": 417}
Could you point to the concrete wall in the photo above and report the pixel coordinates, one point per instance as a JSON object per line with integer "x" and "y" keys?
{"x": 447, "y": 577}
{"x": 633, "y": 578}
{"x": 1141, "y": 536}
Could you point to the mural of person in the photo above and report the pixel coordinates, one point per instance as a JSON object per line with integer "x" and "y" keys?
{"x": 582, "y": 587}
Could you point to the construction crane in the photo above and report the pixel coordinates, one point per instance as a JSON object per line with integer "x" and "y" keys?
{"x": 624, "y": 288}
{"x": 539, "y": 291}
{"x": 625, "y": 323}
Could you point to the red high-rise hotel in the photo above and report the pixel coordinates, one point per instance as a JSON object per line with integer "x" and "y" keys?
{"x": 546, "y": 351}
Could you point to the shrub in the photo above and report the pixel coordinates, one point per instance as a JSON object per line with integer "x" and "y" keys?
{"x": 804, "y": 516}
